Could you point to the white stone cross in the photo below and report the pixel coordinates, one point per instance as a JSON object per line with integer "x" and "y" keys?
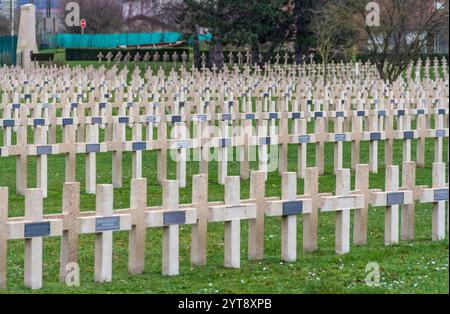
{"x": 170, "y": 218}
{"x": 232, "y": 213}
{"x": 33, "y": 228}
{"x": 342, "y": 203}
{"x": 437, "y": 195}
{"x": 288, "y": 208}
{"x": 103, "y": 224}
{"x": 391, "y": 199}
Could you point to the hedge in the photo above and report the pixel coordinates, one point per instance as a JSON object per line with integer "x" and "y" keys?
{"x": 89, "y": 54}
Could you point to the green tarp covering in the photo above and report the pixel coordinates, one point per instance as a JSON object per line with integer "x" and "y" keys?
{"x": 114, "y": 40}
{"x": 8, "y": 45}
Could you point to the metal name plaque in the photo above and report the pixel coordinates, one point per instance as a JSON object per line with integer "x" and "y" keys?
{"x": 9, "y": 123}
{"x": 292, "y": 208}
{"x": 318, "y": 114}
{"x": 37, "y": 229}
{"x": 176, "y": 119}
{"x": 440, "y": 133}
{"x": 96, "y": 120}
{"x": 381, "y": 113}
{"x": 107, "y": 224}
{"x": 408, "y": 135}
{"x": 420, "y": 111}
{"x": 124, "y": 120}
{"x": 38, "y": 122}
{"x": 264, "y": 140}
{"x": 67, "y": 121}
{"x": 296, "y": 115}
{"x": 441, "y": 111}
{"x": 339, "y": 114}
{"x": 401, "y": 112}
{"x": 340, "y": 137}
{"x": 226, "y": 117}
{"x": 225, "y": 142}
{"x": 92, "y": 148}
{"x": 177, "y": 217}
{"x": 43, "y": 150}
{"x": 136, "y": 146}
{"x": 183, "y": 144}
{"x": 150, "y": 119}
{"x": 202, "y": 117}
{"x": 375, "y": 136}
{"x": 396, "y": 198}
{"x": 273, "y": 115}
{"x": 250, "y": 116}
{"x": 361, "y": 113}
{"x": 441, "y": 195}
{"x": 74, "y": 105}
{"x": 303, "y": 139}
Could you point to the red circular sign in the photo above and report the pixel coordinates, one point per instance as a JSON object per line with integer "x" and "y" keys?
{"x": 83, "y": 23}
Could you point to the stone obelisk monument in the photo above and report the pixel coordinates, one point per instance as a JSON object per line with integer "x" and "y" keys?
{"x": 26, "y": 41}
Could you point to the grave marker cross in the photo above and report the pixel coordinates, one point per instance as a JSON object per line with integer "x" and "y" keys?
{"x": 232, "y": 213}
{"x": 342, "y": 204}
{"x": 289, "y": 207}
{"x": 437, "y": 195}
{"x": 391, "y": 199}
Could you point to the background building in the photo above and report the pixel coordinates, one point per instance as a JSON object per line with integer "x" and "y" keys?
{"x": 5, "y": 7}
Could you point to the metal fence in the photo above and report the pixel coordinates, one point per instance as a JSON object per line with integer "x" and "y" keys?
{"x": 8, "y": 45}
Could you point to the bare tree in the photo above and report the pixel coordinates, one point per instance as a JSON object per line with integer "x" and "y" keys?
{"x": 102, "y": 16}
{"x": 402, "y": 34}
{"x": 326, "y": 34}
{"x": 151, "y": 15}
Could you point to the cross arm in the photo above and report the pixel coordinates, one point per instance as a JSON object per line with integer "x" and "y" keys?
{"x": 433, "y": 195}
{"x": 23, "y": 229}
{"x": 230, "y": 212}
{"x": 437, "y": 133}
{"x": 302, "y": 138}
{"x": 336, "y": 203}
{"x": 265, "y": 140}
{"x": 378, "y": 199}
{"x": 285, "y": 208}
{"x": 96, "y": 224}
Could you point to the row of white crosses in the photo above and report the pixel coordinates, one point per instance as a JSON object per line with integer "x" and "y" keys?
{"x": 35, "y": 226}
{"x": 246, "y": 80}
{"x": 80, "y": 120}
{"x": 91, "y": 146}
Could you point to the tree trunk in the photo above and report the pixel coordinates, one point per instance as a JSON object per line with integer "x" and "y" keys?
{"x": 196, "y": 51}
{"x": 255, "y": 53}
{"x": 300, "y": 51}
{"x": 215, "y": 56}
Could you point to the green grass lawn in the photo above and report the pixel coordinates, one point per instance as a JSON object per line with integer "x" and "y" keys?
{"x": 419, "y": 266}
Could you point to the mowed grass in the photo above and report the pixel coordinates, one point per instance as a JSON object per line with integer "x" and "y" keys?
{"x": 419, "y": 266}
